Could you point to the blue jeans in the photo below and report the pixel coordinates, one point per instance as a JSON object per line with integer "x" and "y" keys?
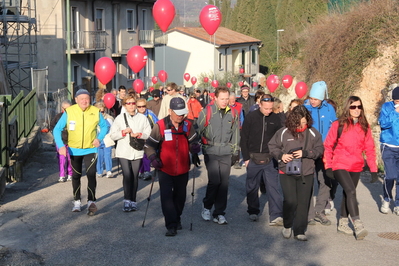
{"x": 390, "y": 156}
{"x": 104, "y": 157}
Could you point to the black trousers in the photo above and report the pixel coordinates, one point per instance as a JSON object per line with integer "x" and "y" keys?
{"x": 218, "y": 168}
{"x": 348, "y": 181}
{"x": 296, "y": 202}
{"x": 173, "y": 197}
{"x": 130, "y": 172}
{"x": 90, "y": 161}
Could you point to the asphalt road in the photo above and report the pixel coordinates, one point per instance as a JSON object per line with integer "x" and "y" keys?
{"x": 37, "y": 227}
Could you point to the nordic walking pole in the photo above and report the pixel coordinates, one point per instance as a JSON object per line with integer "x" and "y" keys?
{"x": 149, "y": 196}
{"x": 192, "y": 199}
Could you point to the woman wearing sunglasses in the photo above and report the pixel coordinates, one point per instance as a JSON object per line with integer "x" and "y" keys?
{"x": 126, "y": 125}
{"x": 345, "y": 143}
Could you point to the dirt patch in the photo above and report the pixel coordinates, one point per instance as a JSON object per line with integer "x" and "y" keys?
{"x": 19, "y": 257}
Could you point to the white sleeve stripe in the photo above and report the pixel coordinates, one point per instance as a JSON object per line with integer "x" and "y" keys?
{"x": 154, "y": 140}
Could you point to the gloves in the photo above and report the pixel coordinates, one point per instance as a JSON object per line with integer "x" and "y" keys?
{"x": 235, "y": 158}
{"x": 330, "y": 174}
{"x": 195, "y": 159}
{"x": 156, "y": 162}
{"x": 374, "y": 177}
{"x": 195, "y": 148}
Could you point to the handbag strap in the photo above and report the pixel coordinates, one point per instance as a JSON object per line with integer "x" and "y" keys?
{"x": 127, "y": 124}
{"x": 306, "y": 143}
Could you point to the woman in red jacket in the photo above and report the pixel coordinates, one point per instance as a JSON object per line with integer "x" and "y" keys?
{"x": 346, "y": 141}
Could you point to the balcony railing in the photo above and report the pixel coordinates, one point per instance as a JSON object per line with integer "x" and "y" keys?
{"x": 88, "y": 40}
{"x": 151, "y": 38}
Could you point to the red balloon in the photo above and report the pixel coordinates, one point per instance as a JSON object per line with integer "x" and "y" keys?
{"x": 206, "y": 79}
{"x": 154, "y": 80}
{"x": 151, "y": 89}
{"x": 228, "y": 84}
{"x": 186, "y": 76}
{"x": 254, "y": 84}
{"x": 163, "y": 76}
{"x": 109, "y": 100}
{"x": 215, "y": 83}
{"x": 138, "y": 85}
{"x": 301, "y": 89}
{"x": 193, "y": 80}
{"x": 287, "y": 81}
{"x": 136, "y": 58}
{"x": 163, "y": 12}
{"x": 242, "y": 70}
{"x": 210, "y": 18}
{"x": 105, "y": 69}
{"x": 241, "y": 83}
{"x": 272, "y": 82}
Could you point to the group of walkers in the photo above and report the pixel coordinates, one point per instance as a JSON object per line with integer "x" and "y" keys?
{"x": 282, "y": 152}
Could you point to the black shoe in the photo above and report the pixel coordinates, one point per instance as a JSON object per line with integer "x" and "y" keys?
{"x": 171, "y": 232}
{"x": 179, "y": 227}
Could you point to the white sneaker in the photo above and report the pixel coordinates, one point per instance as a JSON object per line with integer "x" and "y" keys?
{"x": 287, "y": 232}
{"x": 69, "y": 178}
{"x": 220, "y": 219}
{"x": 61, "y": 179}
{"x": 327, "y": 212}
{"x": 109, "y": 174}
{"x": 331, "y": 205}
{"x": 384, "y": 207}
{"x": 396, "y": 210}
{"x": 99, "y": 175}
{"x": 77, "y": 206}
{"x": 206, "y": 214}
{"x": 277, "y": 222}
{"x": 133, "y": 206}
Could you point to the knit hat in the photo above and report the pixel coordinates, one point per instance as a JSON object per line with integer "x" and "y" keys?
{"x": 81, "y": 91}
{"x": 178, "y": 105}
{"x": 395, "y": 94}
{"x": 244, "y": 87}
{"x": 319, "y": 90}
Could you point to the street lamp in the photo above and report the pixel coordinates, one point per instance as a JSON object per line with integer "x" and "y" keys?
{"x": 277, "y": 41}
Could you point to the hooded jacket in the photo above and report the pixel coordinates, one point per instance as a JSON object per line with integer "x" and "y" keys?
{"x": 351, "y": 144}
{"x": 283, "y": 141}
{"x": 322, "y": 116}
{"x": 389, "y": 122}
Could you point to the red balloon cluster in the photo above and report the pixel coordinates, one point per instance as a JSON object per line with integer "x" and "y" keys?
{"x": 186, "y": 76}
{"x": 210, "y": 18}
{"x": 272, "y": 82}
{"x": 136, "y": 58}
{"x": 287, "y": 81}
{"x": 163, "y": 12}
{"x": 105, "y": 69}
{"x": 138, "y": 85}
{"x": 109, "y": 100}
{"x": 301, "y": 89}
{"x": 163, "y": 76}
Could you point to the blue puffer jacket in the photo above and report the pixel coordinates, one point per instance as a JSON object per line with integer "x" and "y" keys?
{"x": 323, "y": 116}
{"x": 389, "y": 122}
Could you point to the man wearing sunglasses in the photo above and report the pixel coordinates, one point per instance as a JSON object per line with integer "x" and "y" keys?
{"x": 172, "y": 91}
{"x": 258, "y": 128}
{"x": 323, "y": 115}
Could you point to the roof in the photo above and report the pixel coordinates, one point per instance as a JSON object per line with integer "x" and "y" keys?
{"x": 224, "y": 36}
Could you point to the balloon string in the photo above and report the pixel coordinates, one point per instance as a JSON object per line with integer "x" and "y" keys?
{"x": 214, "y": 60}
{"x": 164, "y": 52}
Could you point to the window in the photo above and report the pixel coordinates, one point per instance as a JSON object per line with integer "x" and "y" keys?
{"x": 130, "y": 74}
{"x": 99, "y": 20}
{"x": 143, "y": 26}
{"x": 243, "y": 57}
{"x": 253, "y": 59}
{"x": 130, "y": 19}
{"x": 220, "y": 64}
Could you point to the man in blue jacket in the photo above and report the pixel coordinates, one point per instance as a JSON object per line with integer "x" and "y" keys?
{"x": 323, "y": 115}
{"x": 389, "y": 122}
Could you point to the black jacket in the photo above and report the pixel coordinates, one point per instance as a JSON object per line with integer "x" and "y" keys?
{"x": 257, "y": 131}
{"x": 246, "y": 103}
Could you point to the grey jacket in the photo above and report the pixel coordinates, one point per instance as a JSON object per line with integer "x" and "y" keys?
{"x": 221, "y": 136}
{"x": 283, "y": 141}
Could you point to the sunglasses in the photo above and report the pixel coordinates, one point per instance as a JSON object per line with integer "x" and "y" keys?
{"x": 267, "y": 100}
{"x": 141, "y": 106}
{"x": 353, "y": 107}
{"x": 131, "y": 103}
